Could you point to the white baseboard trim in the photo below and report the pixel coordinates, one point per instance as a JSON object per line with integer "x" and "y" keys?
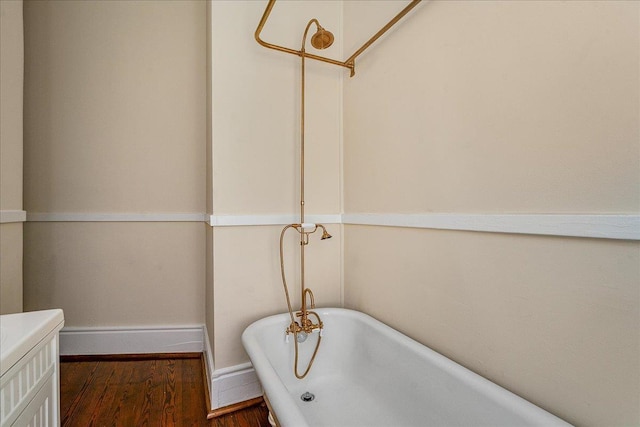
{"x": 126, "y": 340}
{"x": 231, "y": 385}
{"x": 209, "y": 367}
{"x": 7, "y": 216}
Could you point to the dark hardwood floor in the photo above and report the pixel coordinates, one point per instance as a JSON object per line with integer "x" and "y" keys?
{"x": 144, "y": 392}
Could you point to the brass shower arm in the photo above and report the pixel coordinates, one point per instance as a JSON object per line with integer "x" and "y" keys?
{"x": 350, "y": 62}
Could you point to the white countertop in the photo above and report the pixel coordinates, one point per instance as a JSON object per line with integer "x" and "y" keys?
{"x": 22, "y": 331}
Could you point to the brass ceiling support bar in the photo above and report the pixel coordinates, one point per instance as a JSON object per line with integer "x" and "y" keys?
{"x": 350, "y": 62}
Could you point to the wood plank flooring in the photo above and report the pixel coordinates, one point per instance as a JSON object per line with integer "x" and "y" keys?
{"x": 145, "y": 392}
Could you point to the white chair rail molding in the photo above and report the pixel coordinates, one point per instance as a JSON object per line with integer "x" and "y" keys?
{"x": 604, "y": 226}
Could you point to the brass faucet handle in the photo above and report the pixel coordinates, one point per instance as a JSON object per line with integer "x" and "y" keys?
{"x": 294, "y": 328}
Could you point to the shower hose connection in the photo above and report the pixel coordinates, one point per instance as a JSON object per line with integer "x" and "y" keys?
{"x": 305, "y": 326}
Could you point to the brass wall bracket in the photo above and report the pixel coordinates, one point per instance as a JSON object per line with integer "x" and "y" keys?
{"x": 350, "y": 62}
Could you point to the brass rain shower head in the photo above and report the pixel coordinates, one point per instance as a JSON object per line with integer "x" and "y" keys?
{"x": 323, "y": 34}
{"x": 322, "y": 39}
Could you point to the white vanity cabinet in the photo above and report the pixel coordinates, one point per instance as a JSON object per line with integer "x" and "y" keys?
{"x": 30, "y": 369}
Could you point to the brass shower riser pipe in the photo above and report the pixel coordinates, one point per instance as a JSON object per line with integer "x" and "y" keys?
{"x": 320, "y": 40}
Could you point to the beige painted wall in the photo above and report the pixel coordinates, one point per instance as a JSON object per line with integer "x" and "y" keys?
{"x": 256, "y": 111}
{"x": 494, "y": 107}
{"x": 117, "y": 274}
{"x": 209, "y": 318}
{"x": 11, "y": 291}
{"x": 11, "y": 84}
{"x": 554, "y": 320}
{"x": 115, "y": 105}
{"x": 255, "y": 161}
{"x": 248, "y": 285}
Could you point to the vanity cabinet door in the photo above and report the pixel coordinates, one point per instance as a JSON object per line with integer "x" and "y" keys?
{"x": 40, "y": 412}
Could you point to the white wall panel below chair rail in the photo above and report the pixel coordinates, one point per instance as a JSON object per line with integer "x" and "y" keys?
{"x": 605, "y": 226}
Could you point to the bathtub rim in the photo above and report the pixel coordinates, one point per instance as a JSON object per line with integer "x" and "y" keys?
{"x": 290, "y": 415}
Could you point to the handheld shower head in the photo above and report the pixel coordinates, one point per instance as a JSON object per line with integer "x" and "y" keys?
{"x": 325, "y": 234}
{"x": 322, "y": 39}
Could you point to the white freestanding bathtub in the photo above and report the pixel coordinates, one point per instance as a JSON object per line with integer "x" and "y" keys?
{"x": 368, "y": 374}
